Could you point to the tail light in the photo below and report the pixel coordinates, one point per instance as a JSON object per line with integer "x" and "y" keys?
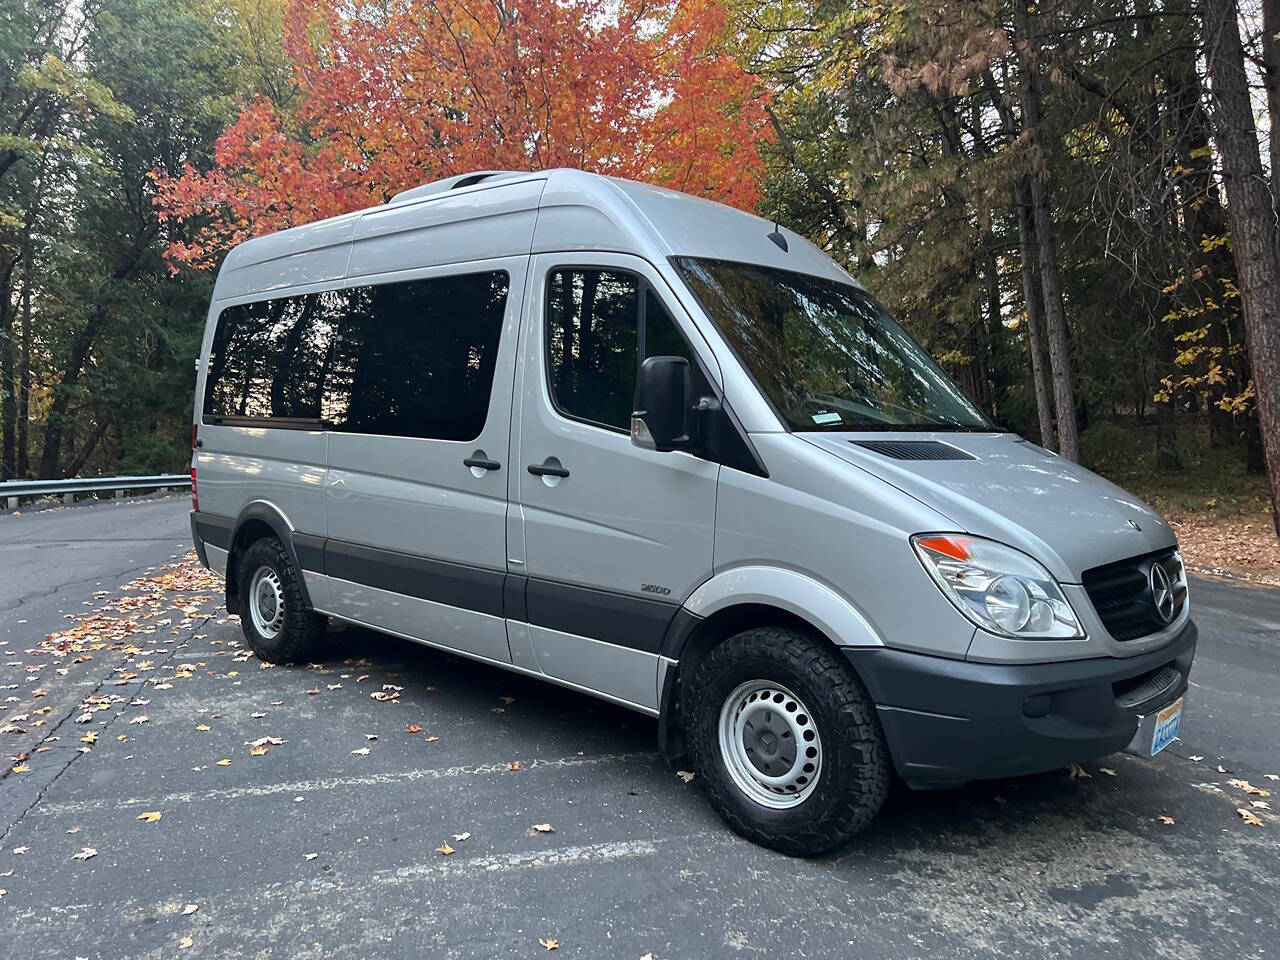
{"x": 195, "y": 499}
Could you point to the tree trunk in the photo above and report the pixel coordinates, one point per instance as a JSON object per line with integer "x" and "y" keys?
{"x": 1042, "y": 218}
{"x": 1271, "y": 81}
{"x": 81, "y": 346}
{"x": 8, "y": 385}
{"x": 24, "y": 362}
{"x": 1034, "y": 305}
{"x": 1253, "y": 228}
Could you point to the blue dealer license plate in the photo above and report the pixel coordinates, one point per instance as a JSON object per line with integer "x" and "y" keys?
{"x": 1166, "y": 729}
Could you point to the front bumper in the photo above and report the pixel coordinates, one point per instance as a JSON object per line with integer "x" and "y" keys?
{"x": 951, "y": 721}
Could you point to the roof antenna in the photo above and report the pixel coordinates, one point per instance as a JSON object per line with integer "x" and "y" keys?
{"x": 777, "y": 236}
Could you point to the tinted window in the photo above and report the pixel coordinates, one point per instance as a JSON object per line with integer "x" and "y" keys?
{"x": 591, "y": 344}
{"x": 412, "y": 359}
{"x": 269, "y": 359}
{"x": 416, "y": 359}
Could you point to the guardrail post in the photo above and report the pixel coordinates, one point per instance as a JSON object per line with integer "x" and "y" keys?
{"x": 119, "y": 494}
{"x": 13, "y": 503}
{"x": 68, "y": 498}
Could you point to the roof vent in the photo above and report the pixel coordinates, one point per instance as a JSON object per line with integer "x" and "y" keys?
{"x": 913, "y": 449}
{"x": 453, "y": 183}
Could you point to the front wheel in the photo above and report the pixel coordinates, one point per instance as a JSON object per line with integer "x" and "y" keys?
{"x": 786, "y": 740}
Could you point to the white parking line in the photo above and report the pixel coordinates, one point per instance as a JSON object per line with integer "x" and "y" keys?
{"x": 329, "y": 783}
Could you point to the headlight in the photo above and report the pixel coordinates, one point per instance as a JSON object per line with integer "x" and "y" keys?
{"x": 1000, "y": 589}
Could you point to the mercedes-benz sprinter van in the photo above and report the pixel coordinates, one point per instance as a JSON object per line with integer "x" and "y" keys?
{"x": 669, "y": 454}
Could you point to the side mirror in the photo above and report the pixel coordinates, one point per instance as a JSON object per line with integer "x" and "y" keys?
{"x": 663, "y": 402}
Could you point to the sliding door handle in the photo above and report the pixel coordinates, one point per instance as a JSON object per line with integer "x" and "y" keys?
{"x": 479, "y": 463}
{"x": 550, "y": 467}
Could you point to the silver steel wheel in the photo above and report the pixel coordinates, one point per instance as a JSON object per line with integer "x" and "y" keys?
{"x": 266, "y": 602}
{"x": 770, "y": 744}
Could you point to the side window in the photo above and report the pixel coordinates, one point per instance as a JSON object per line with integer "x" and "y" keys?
{"x": 270, "y": 359}
{"x": 416, "y": 359}
{"x": 591, "y": 344}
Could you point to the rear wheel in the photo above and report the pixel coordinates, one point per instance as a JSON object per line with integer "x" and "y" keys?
{"x": 273, "y": 614}
{"x": 786, "y": 740}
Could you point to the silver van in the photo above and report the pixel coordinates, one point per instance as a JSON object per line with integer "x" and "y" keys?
{"x": 670, "y": 454}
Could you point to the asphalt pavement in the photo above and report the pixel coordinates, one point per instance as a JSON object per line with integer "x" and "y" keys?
{"x": 127, "y": 694}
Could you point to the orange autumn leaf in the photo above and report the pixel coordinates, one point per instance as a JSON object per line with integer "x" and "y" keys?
{"x": 394, "y": 93}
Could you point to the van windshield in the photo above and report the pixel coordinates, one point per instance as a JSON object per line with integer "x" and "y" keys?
{"x": 825, "y": 353}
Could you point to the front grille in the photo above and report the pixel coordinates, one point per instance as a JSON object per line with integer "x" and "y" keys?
{"x": 1121, "y": 593}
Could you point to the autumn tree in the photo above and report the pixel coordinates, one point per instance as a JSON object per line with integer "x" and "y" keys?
{"x": 392, "y": 94}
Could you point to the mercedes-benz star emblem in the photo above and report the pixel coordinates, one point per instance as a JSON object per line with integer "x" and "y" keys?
{"x": 1161, "y": 593}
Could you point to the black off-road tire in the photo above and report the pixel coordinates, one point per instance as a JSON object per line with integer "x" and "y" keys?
{"x": 855, "y": 773}
{"x": 302, "y": 633}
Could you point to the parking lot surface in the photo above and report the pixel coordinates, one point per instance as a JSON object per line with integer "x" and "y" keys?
{"x": 168, "y": 795}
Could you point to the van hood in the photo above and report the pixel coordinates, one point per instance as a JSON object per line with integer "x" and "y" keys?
{"x": 1000, "y": 486}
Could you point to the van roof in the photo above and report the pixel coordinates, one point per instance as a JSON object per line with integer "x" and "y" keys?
{"x": 497, "y": 213}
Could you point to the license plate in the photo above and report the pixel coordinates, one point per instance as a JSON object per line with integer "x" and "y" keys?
{"x": 1166, "y": 730}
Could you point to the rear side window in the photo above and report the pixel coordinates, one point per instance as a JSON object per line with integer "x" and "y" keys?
{"x": 416, "y": 359}
{"x": 412, "y": 359}
{"x": 270, "y": 359}
{"x": 597, "y": 338}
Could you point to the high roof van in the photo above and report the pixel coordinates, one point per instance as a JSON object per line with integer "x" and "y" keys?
{"x": 671, "y": 455}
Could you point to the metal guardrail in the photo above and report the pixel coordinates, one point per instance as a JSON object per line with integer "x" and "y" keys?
{"x": 14, "y": 491}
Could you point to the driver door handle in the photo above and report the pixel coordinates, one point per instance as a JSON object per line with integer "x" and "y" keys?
{"x": 549, "y": 467}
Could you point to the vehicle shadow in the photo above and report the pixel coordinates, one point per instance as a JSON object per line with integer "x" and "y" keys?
{"x": 1005, "y": 817}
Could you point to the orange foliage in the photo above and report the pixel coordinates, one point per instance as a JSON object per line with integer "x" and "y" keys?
{"x": 394, "y": 93}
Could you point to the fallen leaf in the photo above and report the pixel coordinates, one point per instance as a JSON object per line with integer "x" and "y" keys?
{"x": 140, "y": 718}
{"x": 432, "y": 739}
{"x": 383, "y": 696}
{"x": 551, "y": 943}
{"x": 203, "y": 727}
{"x": 515, "y": 766}
{"x": 362, "y": 752}
{"x": 459, "y": 837}
{"x": 371, "y": 736}
{"x": 22, "y": 768}
{"x": 1260, "y": 804}
{"x": 445, "y": 849}
{"x": 1222, "y": 769}
{"x": 1249, "y": 788}
{"x": 310, "y": 856}
{"x": 1195, "y": 759}
{"x": 508, "y": 700}
{"x": 150, "y": 816}
{"x": 1272, "y": 776}
{"x": 89, "y": 737}
{"x": 257, "y": 751}
{"x": 19, "y": 851}
{"x": 85, "y": 853}
{"x": 1249, "y": 817}
{"x": 267, "y": 742}
{"x": 1107, "y": 770}
{"x": 1077, "y": 772}
{"x": 413, "y": 728}
{"x": 224, "y": 762}
{"x": 186, "y": 942}
{"x": 189, "y": 909}
{"x": 313, "y": 693}
{"x": 1167, "y": 821}
{"x": 685, "y": 775}
{"x": 543, "y": 828}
